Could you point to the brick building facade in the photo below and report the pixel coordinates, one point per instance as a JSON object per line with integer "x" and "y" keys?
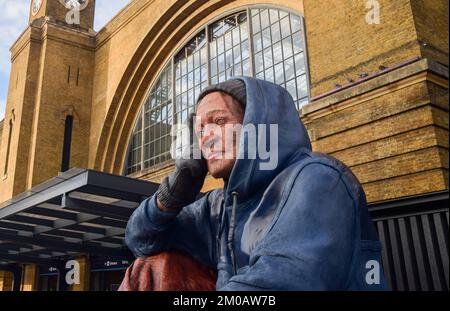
{"x": 371, "y": 89}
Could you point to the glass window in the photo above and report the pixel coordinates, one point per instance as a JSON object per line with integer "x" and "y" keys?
{"x": 264, "y": 18}
{"x": 278, "y": 56}
{"x": 255, "y": 23}
{"x": 276, "y": 34}
{"x": 274, "y": 16}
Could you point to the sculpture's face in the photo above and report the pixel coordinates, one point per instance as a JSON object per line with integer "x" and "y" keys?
{"x": 36, "y": 6}
{"x": 220, "y": 110}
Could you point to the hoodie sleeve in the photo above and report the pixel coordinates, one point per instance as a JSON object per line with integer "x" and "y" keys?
{"x": 310, "y": 245}
{"x": 150, "y": 230}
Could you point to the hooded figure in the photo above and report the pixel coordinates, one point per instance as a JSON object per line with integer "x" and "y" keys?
{"x": 302, "y": 225}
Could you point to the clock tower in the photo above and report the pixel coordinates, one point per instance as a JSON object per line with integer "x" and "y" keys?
{"x": 49, "y": 95}
{"x": 74, "y": 13}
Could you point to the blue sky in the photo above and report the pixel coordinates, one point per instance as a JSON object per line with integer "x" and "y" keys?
{"x": 14, "y": 21}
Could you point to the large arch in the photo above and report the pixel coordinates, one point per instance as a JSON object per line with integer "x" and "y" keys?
{"x": 174, "y": 26}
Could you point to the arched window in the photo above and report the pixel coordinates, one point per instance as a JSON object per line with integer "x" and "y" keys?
{"x": 266, "y": 43}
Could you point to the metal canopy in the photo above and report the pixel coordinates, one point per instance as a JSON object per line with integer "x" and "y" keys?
{"x": 79, "y": 211}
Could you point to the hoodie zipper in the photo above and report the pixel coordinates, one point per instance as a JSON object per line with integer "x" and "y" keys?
{"x": 231, "y": 232}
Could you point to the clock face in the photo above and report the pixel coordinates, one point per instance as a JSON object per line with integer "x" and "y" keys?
{"x": 36, "y": 6}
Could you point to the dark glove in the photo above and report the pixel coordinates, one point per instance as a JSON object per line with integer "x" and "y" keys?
{"x": 182, "y": 186}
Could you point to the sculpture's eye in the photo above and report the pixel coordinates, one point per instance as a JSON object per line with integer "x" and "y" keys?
{"x": 219, "y": 121}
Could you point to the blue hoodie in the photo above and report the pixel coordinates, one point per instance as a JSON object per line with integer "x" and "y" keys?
{"x": 303, "y": 225}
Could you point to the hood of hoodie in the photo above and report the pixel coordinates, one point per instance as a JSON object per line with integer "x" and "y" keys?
{"x": 267, "y": 103}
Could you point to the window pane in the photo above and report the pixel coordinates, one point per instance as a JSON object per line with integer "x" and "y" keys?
{"x": 264, "y": 19}
{"x": 255, "y": 23}
{"x": 196, "y": 92}
{"x": 183, "y": 84}
{"x": 287, "y": 47}
{"x": 237, "y": 54}
{"x": 297, "y": 43}
{"x": 302, "y": 86}
{"x": 213, "y": 66}
{"x": 229, "y": 58}
{"x": 292, "y": 88}
{"x": 220, "y": 43}
{"x": 196, "y": 59}
{"x": 228, "y": 41}
{"x": 246, "y": 68}
{"x": 276, "y": 34}
{"x": 190, "y": 63}
{"x": 183, "y": 67}
{"x": 285, "y": 27}
{"x": 266, "y": 38}
{"x": 299, "y": 64}
{"x": 260, "y": 75}
{"x": 184, "y": 115}
{"x": 257, "y": 42}
{"x": 277, "y": 54}
{"x": 222, "y": 76}
{"x": 221, "y": 62}
{"x": 184, "y": 102}
{"x": 197, "y": 76}
{"x": 204, "y": 73}
{"x": 259, "y": 65}
{"x": 269, "y": 75}
{"x": 279, "y": 73}
{"x": 289, "y": 68}
{"x": 244, "y": 31}
{"x": 212, "y": 49}
{"x": 295, "y": 23}
{"x": 178, "y": 86}
{"x": 216, "y": 29}
{"x": 245, "y": 49}
{"x": 238, "y": 70}
{"x": 274, "y": 17}
{"x": 236, "y": 36}
{"x": 203, "y": 56}
{"x": 190, "y": 97}
{"x": 191, "y": 79}
{"x": 177, "y": 69}
{"x": 268, "y": 57}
